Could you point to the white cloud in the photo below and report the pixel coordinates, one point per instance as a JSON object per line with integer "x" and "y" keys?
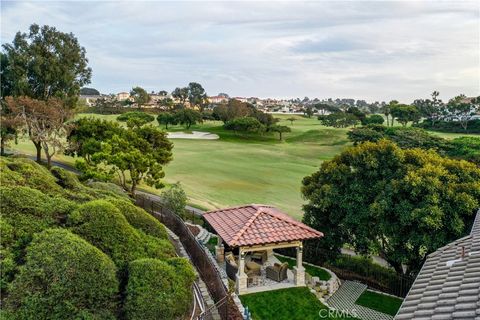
{"x": 368, "y": 50}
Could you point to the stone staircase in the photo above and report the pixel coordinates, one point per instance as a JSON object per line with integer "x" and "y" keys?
{"x": 344, "y": 299}
{"x": 203, "y": 236}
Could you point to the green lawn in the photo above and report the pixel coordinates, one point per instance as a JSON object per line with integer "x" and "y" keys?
{"x": 311, "y": 270}
{"x": 286, "y": 304}
{"x": 380, "y": 302}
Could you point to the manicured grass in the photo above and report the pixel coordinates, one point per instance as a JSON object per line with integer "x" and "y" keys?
{"x": 286, "y": 304}
{"x": 379, "y": 302}
{"x": 311, "y": 270}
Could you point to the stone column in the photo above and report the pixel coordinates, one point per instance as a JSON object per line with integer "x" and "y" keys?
{"x": 220, "y": 250}
{"x": 299, "y": 270}
{"x": 241, "y": 282}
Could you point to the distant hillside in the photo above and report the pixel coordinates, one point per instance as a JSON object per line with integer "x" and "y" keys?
{"x": 75, "y": 251}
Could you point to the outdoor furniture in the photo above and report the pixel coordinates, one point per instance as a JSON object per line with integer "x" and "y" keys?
{"x": 260, "y": 256}
{"x": 251, "y": 268}
{"x": 277, "y": 272}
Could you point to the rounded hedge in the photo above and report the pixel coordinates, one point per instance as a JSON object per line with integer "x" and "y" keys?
{"x": 159, "y": 289}
{"x": 64, "y": 277}
{"x": 26, "y": 172}
{"x": 29, "y": 211}
{"x": 102, "y": 224}
{"x": 140, "y": 219}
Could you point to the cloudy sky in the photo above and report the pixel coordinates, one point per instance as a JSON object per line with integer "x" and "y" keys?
{"x": 348, "y": 49}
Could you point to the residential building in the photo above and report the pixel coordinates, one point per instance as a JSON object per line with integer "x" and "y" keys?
{"x": 448, "y": 286}
{"x": 121, "y": 96}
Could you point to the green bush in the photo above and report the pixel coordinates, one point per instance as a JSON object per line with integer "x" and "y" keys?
{"x": 76, "y": 190}
{"x": 102, "y": 224}
{"x": 108, "y": 187}
{"x": 26, "y": 172}
{"x": 473, "y": 126}
{"x": 64, "y": 277}
{"x": 7, "y": 262}
{"x": 158, "y": 289}
{"x": 29, "y": 211}
{"x": 140, "y": 219}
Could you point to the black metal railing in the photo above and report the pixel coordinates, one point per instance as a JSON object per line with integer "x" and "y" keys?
{"x": 198, "y": 256}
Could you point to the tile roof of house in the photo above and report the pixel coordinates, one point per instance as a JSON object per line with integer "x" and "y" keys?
{"x": 256, "y": 224}
{"x": 448, "y": 286}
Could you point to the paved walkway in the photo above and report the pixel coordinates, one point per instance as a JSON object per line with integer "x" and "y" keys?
{"x": 344, "y": 299}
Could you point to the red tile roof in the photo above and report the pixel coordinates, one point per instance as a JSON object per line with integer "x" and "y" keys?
{"x": 257, "y": 224}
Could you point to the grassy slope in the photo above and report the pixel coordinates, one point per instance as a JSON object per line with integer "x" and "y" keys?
{"x": 379, "y": 302}
{"x": 285, "y": 304}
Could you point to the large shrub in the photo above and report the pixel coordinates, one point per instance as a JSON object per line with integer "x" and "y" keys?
{"x": 64, "y": 277}
{"x": 140, "y": 219}
{"x": 30, "y": 211}
{"x": 76, "y": 190}
{"x": 26, "y": 172}
{"x": 7, "y": 262}
{"x": 158, "y": 289}
{"x": 103, "y": 225}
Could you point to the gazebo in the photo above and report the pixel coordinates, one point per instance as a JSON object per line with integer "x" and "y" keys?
{"x": 256, "y": 228}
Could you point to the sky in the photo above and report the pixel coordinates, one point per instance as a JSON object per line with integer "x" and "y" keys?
{"x": 375, "y": 50}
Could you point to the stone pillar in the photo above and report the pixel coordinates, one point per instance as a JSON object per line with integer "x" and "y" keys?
{"x": 299, "y": 270}
{"x": 220, "y": 251}
{"x": 241, "y": 282}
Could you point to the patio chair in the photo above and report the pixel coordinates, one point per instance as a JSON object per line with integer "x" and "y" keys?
{"x": 277, "y": 272}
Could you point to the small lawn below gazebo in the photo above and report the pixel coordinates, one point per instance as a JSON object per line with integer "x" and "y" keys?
{"x": 286, "y": 304}
{"x": 311, "y": 270}
{"x": 380, "y": 302}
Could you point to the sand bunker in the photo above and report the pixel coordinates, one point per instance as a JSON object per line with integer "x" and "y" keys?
{"x": 193, "y": 135}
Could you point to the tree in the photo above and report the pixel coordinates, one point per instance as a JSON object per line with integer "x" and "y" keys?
{"x": 89, "y": 92}
{"x": 62, "y": 267}
{"x": 233, "y": 109}
{"x": 86, "y": 136}
{"x": 399, "y": 203}
{"x": 166, "y": 118}
{"x": 10, "y": 123}
{"x": 308, "y": 111}
{"x": 163, "y": 93}
{"x": 196, "y": 95}
{"x": 140, "y": 96}
{"x": 404, "y": 113}
{"x": 135, "y": 119}
{"x": 140, "y": 152}
{"x": 339, "y": 120}
{"x": 245, "y": 124}
{"x": 188, "y": 117}
{"x": 373, "y": 119}
{"x": 291, "y": 119}
{"x": 463, "y": 109}
{"x": 181, "y": 94}
{"x": 279, "y": 130}
{"x": 175, "y": 199}
{"x": 45, "y": 122}
{"x": 46, "y": 63}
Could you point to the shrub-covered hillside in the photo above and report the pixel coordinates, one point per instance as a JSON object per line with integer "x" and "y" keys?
{"x": 75, "y": 251}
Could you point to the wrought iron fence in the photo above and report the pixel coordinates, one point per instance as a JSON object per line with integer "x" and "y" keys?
{"x": 199, "y": 258}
